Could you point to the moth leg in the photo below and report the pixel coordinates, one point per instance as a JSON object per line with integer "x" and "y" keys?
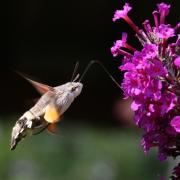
{"x": 44, "y": 128}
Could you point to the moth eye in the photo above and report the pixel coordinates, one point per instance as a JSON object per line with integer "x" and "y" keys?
{"x": 73, "y": 89}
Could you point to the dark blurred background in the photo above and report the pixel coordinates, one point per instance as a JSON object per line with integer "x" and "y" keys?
{"x": 45, "y": 39}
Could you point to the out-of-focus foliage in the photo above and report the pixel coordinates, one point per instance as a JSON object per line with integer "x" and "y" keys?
{"x": 79, "y": 152}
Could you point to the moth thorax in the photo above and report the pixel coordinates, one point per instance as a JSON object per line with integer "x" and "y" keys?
{"x": 65, "y": 101}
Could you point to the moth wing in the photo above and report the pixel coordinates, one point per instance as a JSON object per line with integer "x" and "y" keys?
{"x": 52, "y": 113}
{"x": 52, "y": 129}
{"x": 40, "y": 87}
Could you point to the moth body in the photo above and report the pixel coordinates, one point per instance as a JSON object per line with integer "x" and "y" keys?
{"x": 47, "y": 111}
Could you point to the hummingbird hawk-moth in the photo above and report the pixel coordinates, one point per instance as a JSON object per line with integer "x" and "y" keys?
{"x": 50, "y": 107}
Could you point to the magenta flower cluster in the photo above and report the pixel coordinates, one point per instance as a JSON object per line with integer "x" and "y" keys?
{"x": 152, "y": 81}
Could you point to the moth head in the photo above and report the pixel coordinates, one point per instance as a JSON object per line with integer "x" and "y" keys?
{"x": 75, "y": 88}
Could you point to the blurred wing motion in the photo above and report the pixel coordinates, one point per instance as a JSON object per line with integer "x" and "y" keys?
{"x": 52, "y": 113}
{"x": 40, "y": 87}
{"x": 52, "y": 116}
{"x": 52, "y": 129}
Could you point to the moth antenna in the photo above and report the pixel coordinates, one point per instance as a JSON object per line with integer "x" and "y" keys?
{"x": 77, "y": 76}
{"x": 103, "y": 67}
{"x": 74, "y": 72}
{"x": 86, "y": 69}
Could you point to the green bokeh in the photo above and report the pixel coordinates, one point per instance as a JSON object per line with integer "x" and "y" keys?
{"x": 79, "y": 152}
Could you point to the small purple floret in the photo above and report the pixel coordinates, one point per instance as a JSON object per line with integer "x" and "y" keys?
{"x": 177, "y": 62}
{"x": 163, "y": 8}
{"x": 175, "y": 123}
{"x": 122, "y": 13}
{"x": 118, "y": 44}
{"x": 165, "y": 31}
